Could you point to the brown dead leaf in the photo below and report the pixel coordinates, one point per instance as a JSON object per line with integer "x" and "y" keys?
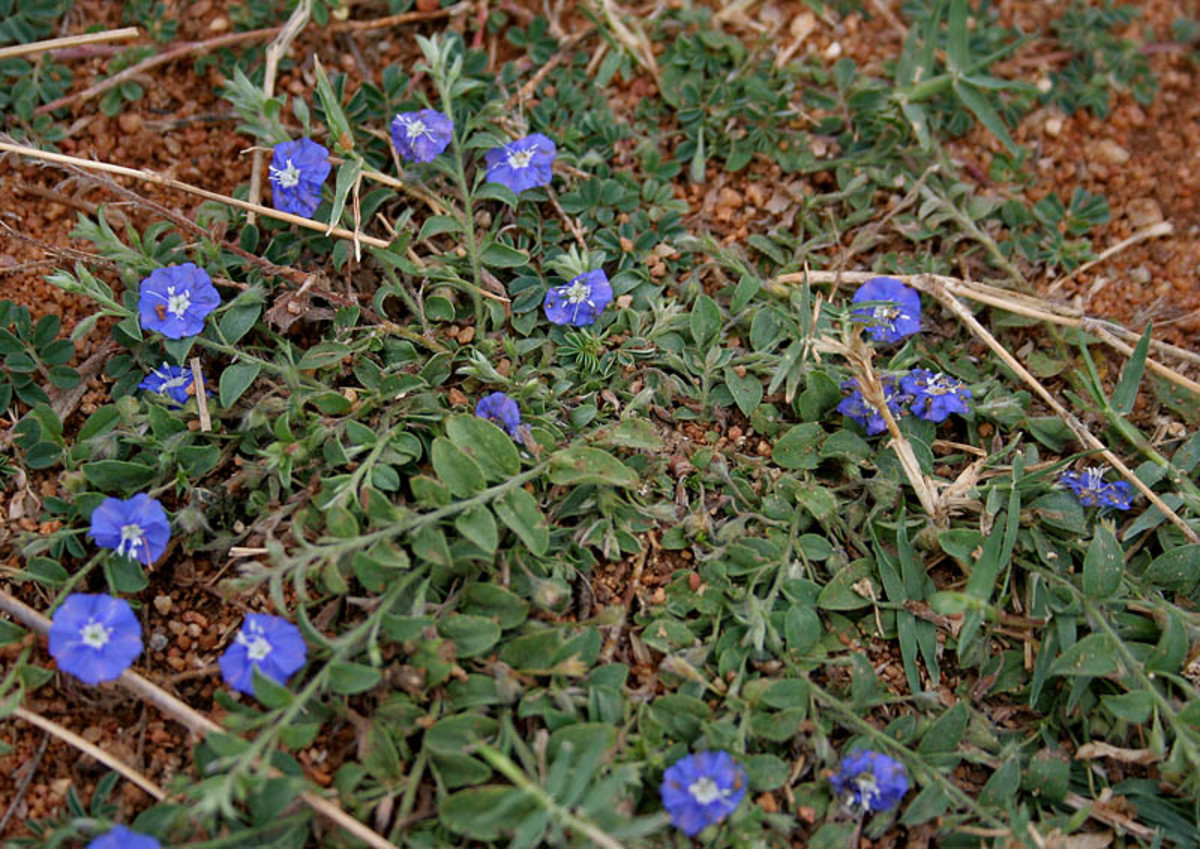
{"x": 1089, "y": 751}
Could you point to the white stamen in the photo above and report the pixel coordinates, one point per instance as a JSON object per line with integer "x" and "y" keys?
{"x": 886, "y": 314}
{"x": 705, "y": 791}
{"x": 94, "y": 634}
{"x": 1093, "y": 478}
{"x": 868, "y": 790}
{"x": 178, "y": 302}
{"x": 256, "y": 645}
{"x": 578, "y": 293}
{"x": 520, "y": 158}
{"x": 287, "y": 177}
{"x": 131, "y": 538}
{"x": 415, "y": 129}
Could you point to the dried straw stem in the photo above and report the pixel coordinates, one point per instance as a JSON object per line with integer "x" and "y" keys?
{"x": 159, "y": 179}
{"x": 73, "y": 739}
{"x": 402, "y": 18}
{"x": 196, "y": 722}
{"x": 68, "y": 41}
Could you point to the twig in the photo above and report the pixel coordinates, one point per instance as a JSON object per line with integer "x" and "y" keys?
{"x": 31, "y": 768}
{"x": 70, "y": 737}
{"x": 1162, "y": 228}
{"x": 68, "y": 41}
{"x": 402, "y": 18}
{"x": 196, "y": 722}
{"x": 159, "y": 179}
{"x": 178, "y": 52}
{"x": 201, "y": 395}
{"x": 297, "y": 22}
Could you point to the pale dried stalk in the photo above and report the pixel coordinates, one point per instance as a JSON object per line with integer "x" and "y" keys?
{"x": 159, "y": 179}
{"x": 1162, "y": 228}
{"x": 295, "y": 24}
{"x": 402, "y": 18}
{"x": 197, "y": 723}
{"x": 123, "y": 34}
{"x": 201, "y": 394}
{"x": 73, "y": 739}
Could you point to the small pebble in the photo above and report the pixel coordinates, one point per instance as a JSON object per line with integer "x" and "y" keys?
{"x": 162, "y": 603}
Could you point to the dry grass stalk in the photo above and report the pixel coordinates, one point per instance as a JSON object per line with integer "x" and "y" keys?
{"x": 49, "y": 44}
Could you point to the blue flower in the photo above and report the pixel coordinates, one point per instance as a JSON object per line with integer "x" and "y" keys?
{"x": 893, "y": 321}
{"x": 702, "y": 789}
{"x": 298, "y": 170}
{"x": 872, "y": 780}
{"x": 1091, "y": 490}
{"x": 122, "y": 838}
{"x": 935, "y": 396}
{"x": 175, "y": 301}
{"x": 94, "y": 637}
{"x": 856, "y": 407}
{"x": 421, "y": 136}
{"x": 271, "y": 643}
{"x": 580, "y": 301}
{"x": 171, "y": 381}
{"x": 522, "y": 164}
{"x": 499, "y": 409}
{"x": 136, "y": 528}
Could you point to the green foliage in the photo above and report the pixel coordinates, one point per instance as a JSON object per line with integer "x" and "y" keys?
{"x": 1102, "y": 61}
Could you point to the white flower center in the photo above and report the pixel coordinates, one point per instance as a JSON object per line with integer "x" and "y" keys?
{"x": 94, "y": 634}
{"x": 579, "y": 292}
{"x": 415, "y": 129}
{"x": 705, "y": 791}
{"x": 286, "y": 178}
{"x": 1093, "y": 478}
{"x": 868, "y": 790}
{"x": 174, "y": 382}
{"x": 256, "y": 644}
{"x": 886, "y": 314}
{"x": 131, "y": 538}
{"x": 939, "y": 384}
{"x": 178, "y": 302}
{"x": 521, "y": 158}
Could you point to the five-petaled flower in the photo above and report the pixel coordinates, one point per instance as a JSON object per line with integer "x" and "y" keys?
{"x": 522, "y": 164}
{"x": 122, "y": 838}
{"x": 580, "y": 301}
{"x": 892, "y": 321}
{"x": 421, "y": 136}
{"x": 1091, "y": 489}
{"x": 935, "y": 396}
{"x": 702, "y": 789}
{"x": 856, "y": 407}
{"x": 271, "y": 643}
{"x": 136, "y": 528}
{"x": 872, "y": 781}
{"x": 298, "y": 170}
{"x": 171, "y": 381}
{"x": 175, "y": 301}
{"x": 94, "y": 637}
{"x": 501, "y": 410}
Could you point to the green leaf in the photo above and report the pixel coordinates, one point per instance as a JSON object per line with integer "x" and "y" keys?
{"x": 471, "y": 635}
{"x": 800, "y": 447}
{"x": 334, "y": 116}
{"x": 485, "y": 813}
{"x": 839, "y": 593}
{"x": 946, "y": 732}
{"x": 579, "y": 465}
{"x": 520, "y": 512}
{"x": 348, "y": 175}
{"x": 499, "y": 255}
{"x": 631, "y": 433}
{"x": 1103, "y": 565}
{"x": 486, "y": 444}
{"x": 977, "y": 102}
{"x": 237, "y": 321}
{"x": 958, "y": 56}
{"x": 478, "y": 526}
{"x": 1175, "y": 570}
{"x": 323, "y": 354}
{"x": 235, "y": 380}
{"x": 435, "y": 225}
{"x": 1094, "y": 656}
{"x": 747, "y": 391}
{"x": 1125, "y": 394}
{"x": 349, "y": 678}
{"x": 120, "y": 475}
{"x": 705, "y": 322}
{"x": 458, "y": 471}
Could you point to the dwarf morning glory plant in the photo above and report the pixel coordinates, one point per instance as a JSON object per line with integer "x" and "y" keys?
{"x": 298, "y": 171}
{"x": 175, "y": 301}
{"x": 522, "y": 164}
{"x": 935, "y": 396}
{"x": 1091, "y": 489}
{"x": 94, "y": 637}
{"x": 137, "y": 528}
{"x": 579, "y": 302}
{"x": 122, "y": 838}
{"x": 702, "y": 789}
{"x": 171, "y": 381}
{"x": 271, "y": 643}
{"x": 889, "y": 322}
{"x": 855, "y": 406}
{"x": 421, "y": 136}
{"x": 501, "y": 410}
{"x": 870, "y": 780}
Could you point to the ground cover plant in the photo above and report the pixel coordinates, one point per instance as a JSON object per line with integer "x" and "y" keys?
{"x": 594, "y": 427}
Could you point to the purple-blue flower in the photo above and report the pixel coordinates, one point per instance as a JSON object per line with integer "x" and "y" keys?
{"x": 580, "y": 301}
{"x": 702, "y": 789}
{"x": 889, "y": 322}
{"x": 856, "y": 407}
{"x": 171, "y": 381}
{"x": 136, "y": 528}
{"x": 122, "y": 838}
{"x": 175, "y": 301}
{"x": 421, "y": 136}
{"x": 271, "y": 643}
{"x": 94, "y": 637}
{"x": 935, "y": 396}
{"x": 298, "y": 170}
{"x": 1092, "y": 491}
{"x": 872, "y": 780}
{"x": 522, "y": 164}
{"x": 501, "y": 410}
